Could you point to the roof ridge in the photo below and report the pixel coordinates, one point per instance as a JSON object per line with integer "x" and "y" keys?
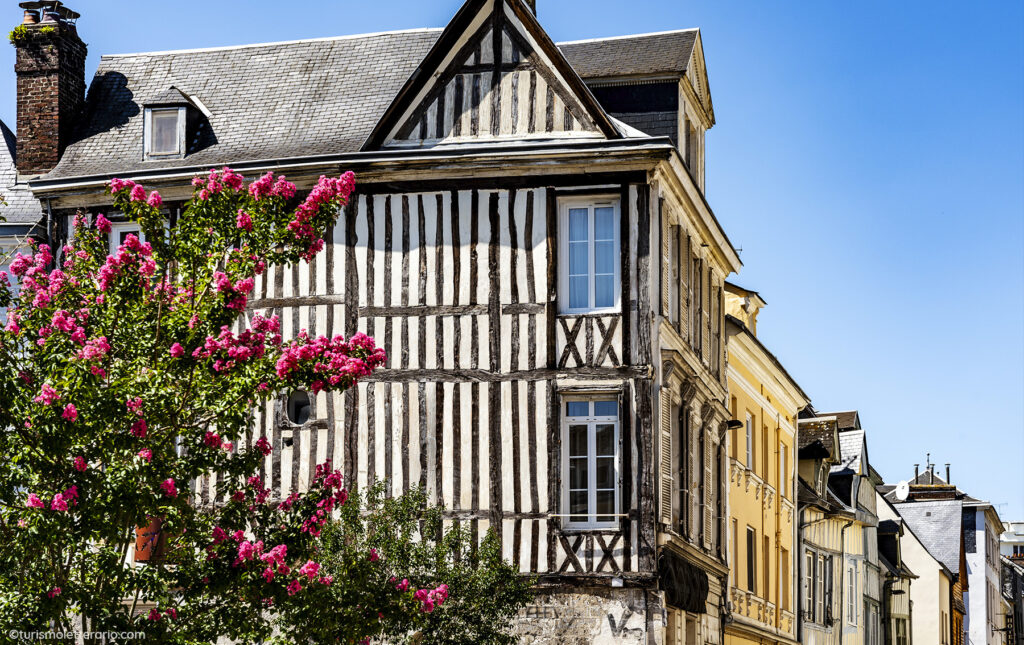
{"x": 269, "y": 44}
{"x": 652, "y": 33}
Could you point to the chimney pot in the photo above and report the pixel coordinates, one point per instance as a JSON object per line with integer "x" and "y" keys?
{"x": 51, "y": 16}
{"x": 948, "y": 480}
{"x": 31, "y": 17}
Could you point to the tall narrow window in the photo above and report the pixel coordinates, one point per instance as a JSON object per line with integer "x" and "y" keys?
{"x": 784, "y": 578}
{"x": 590, "y": 256}
{"x": 851, "y": 595}
{"x": 819, "y": 593}
{"x": 751, "y": 560}
{"x": 674, "y": 282}
{"x": 783, "y": 473}
{"x": 591, "y": 462}
{"x": 808, "y": 583}
{"x": 750, "y": 441}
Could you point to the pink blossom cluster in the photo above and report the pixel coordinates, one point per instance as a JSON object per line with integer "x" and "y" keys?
{"x": 328, "y": 190}
{"x": 248, "y": 551}
{"x": 169, "y": 488}
{"x": 228, "y": 349}
{"x": 236, "y": 295}
{"x": 216, "y": 181}
{"x": 60, "y": 501}
{"x": 263, "y": 446}
{"x": 131, "y": 253}
{"x": 212, "y": 439}
{"x": 47, "y": 395}
{"x": 329, "y": 363}
{"x": 430, "y": 599}
{"x": 94, "y": 350}
{"x": 267, "y": 186}
{"x": 155, "y": 615}
{"x": 136, "y": 193}
{"x": 331, "y": 480}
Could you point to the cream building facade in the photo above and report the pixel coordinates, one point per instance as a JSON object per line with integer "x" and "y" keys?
{"x": 764, "y": 402}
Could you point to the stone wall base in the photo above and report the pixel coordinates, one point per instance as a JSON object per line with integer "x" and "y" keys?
{"x": 592, "y": 615}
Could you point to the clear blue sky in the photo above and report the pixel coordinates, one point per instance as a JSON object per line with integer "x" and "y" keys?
{"x": 868, "y": 159}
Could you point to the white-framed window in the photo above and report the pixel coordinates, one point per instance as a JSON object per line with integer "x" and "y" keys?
{"x": 750, "y": 441}
{"x": 783, "y": 474}
{"x": 589, "y": 255}
{"x": 851, "y": 597}
{"x": 590, "y": 461}
{"x": 119, "y": 232}
{"x": 819, "y": 593}
{"x": 809, "y": 585}
{"x": 164, "y": 132}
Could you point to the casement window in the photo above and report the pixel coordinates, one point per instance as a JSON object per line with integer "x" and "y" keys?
{"x": 589, "y": 259}
{"x": 590, "y": 462}
{"x": 808, "y": 585}
{"x": 164, "y": 132}
{"x": 673, "y": 277}
{"x": 783, "y": 473}
{"x": 119, "y": 232}
{"x": 784, "y": 578}
{"x": 751, "y": 560}
{"x": 819, "y": 592}
{"x": 750, "y": 441}
{"x": 901, "y": 631}
{"x": 851, "y": 594}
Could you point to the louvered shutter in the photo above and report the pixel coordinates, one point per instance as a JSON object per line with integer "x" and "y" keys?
{"x": 665, "y": 470}
{"x": 705, "y": 321}
{"x": 666, "y": 268}
{"x": 716, "y": 330}
{"x": 709, "y": 488}
{"x": 684, "y": 288}
{"x": 691, "y": 286}
{"x": 695, "y": 474}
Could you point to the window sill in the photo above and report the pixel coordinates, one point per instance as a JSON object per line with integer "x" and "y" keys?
{"x": 614, "y": 311}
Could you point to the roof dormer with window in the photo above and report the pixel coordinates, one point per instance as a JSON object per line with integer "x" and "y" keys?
{"x": 172, "y": 120}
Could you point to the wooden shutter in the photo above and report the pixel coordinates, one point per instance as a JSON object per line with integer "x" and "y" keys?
{"x": 666, "y": 268}
{"x": 709, "y": 487}
{"x": 684, "y": 289}
{"x": 705, "y": 321}
{"x": 665, "y": 469}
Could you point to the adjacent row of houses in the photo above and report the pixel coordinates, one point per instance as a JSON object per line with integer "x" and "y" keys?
{"x": 570, "y": 364}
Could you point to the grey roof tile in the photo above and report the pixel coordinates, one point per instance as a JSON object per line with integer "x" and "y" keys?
{"x": 642, "y": 55}
{"x": 938, "y": 526}
{"x": 22, "y": 207}
{"x": 851, "y": 449}
{"x": 294, "y": 99}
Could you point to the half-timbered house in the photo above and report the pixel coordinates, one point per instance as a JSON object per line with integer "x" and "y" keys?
{"x": 530, "y": 243}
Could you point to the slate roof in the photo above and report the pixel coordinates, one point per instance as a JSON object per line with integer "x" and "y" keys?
{"x": 808, "y": 435}
{"x": 937, "y": 525}
{"x": 642, "y": 55}
{"x": 270, "y": 101}
{"x": 294, "y": 99}
{"x": 22, "y": 207}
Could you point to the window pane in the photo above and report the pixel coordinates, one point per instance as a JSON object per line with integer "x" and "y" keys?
{"x": 605, "y": 504}
{"x": 579, "y": 298}
{"x": 578, "y": 225}
{"x": 606, "y": 408}
{"x": 604, "y": 257}
{"x": 165, "y": 131}
{"x": 578, "y": 258}
{"x": 605, "y": 440}
{"x": 606, "y": 472}
{"x": 604, "y": 291}
{"x": 577, "y": 441}
{"x": 578, "y": 506}
{"x": 604, "y": 223}
{"x": 578, "y": 473}
{"x": 577, "y": 408}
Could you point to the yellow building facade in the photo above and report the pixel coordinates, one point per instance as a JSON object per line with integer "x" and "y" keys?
{"x": 764, "y": 402}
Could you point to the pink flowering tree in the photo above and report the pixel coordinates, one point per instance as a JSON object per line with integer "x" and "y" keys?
{"x": 123, "y": 378}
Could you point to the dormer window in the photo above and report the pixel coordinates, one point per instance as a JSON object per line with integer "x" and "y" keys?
{"x": 165, "y": 132}
{"x": 167, "y": 123}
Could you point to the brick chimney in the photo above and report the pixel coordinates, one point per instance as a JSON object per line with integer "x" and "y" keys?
{"x": 50, "y": 66}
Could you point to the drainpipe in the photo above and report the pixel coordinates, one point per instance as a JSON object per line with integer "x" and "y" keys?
{"x": 842, "y": 582}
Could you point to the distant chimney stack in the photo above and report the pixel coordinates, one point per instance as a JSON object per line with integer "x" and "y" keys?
{"x": 50, "y": 68}
{"x": 948, "y": 479}
{"x": 917, "y": 472}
